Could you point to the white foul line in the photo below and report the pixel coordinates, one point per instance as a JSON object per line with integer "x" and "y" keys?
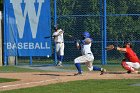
{"x": 6, "y": 86}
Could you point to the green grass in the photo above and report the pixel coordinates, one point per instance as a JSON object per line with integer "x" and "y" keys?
{"x": 85, "y": 86}
{"x": 2, "y": 80}
{"x": 9, "y": 69}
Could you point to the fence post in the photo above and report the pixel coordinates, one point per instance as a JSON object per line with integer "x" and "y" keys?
{"x": 55, "y": 24}
{"x": 104, "y": 54}
{"x": 0, "y": 39}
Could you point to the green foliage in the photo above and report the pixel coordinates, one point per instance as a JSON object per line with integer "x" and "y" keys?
{"x": 1, "y": 5}
{"x": 126, "y": 25}
{"x": 88, "y": 17}
{"x": 77, "y": 16}
{"x": 1, "y": 1}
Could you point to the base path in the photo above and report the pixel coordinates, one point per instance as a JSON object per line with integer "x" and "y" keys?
{"x": 31, "y": 79}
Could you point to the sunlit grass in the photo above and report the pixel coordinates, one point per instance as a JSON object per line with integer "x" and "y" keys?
{"x": 85, "y": 86}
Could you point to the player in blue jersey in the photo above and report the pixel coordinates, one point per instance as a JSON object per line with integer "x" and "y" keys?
{"x": 87, "y": 56}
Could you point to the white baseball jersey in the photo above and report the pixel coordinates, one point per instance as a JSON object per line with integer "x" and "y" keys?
{"x": 86, "y": 49}
{"x": 59, "y": 40}
{"x": 87, "y": 56}
{"x": 60, "y": 37}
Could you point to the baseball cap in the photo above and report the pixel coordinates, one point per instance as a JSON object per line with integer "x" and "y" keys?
{"x": 86, "y": 34}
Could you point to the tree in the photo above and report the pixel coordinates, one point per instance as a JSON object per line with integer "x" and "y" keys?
{"x": 1, "y": 1}
{"x": 1, "y": 5}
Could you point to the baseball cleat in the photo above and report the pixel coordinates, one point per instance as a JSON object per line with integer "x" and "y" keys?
{"x": 132, "y": 72}
{"x": 129, "y": 72}
{"x": 78, "y": 74}
{"x": 59, "y": 64}
{"x": 103, "y": 71}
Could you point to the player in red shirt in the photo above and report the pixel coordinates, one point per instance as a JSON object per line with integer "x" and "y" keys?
{"x": 131, "y": 62}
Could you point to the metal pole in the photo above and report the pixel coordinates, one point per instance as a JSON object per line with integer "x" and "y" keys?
{"x": 55, "y": 12}
{"x": 55, "y": 24}
{"x": 5, "y": 40}
{"x": 31, "y": 60}
{"x": 105, "y": 35}
{"x": 0, "y": 39}
{"x": 101, "y": 28}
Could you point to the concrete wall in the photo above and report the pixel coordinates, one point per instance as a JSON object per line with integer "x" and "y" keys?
{"x": 0, "y": 38}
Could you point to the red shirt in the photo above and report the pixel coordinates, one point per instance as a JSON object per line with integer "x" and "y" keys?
{"x": 131, "y": 55}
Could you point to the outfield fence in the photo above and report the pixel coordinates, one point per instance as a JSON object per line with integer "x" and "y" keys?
{"x": 108, "y": 21}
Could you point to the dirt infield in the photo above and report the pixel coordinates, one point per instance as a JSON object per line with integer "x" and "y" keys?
{"x": 31, "y": 79}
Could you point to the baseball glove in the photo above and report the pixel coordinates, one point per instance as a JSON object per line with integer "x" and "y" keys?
{"x": 88, "y": 41}
{"x": 110, "y": 47}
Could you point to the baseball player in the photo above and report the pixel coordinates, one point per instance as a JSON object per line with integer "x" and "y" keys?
{"x": 59, "y": 41}
{"x": 131, "y": 61}
{"x": 87, "y": 55}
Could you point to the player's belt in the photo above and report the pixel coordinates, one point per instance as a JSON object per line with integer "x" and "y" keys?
{"x": 89, "y": 53}
{"x": 59, "y": 42}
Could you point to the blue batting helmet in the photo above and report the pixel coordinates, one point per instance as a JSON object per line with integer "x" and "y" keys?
{"x": 86, "y": 34}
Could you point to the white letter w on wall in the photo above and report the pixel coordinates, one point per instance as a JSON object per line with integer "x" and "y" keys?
{"x": 29, "y": 9}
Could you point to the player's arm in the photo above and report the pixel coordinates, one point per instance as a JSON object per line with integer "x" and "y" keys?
{"x": 54, "y": 36}
{"x": 78, "y": 44}
{"x": 57, "y": 34}
{"x": 111, "y": 47}
{"x": 61, "y": 32}
{"x": 121, "y": 49}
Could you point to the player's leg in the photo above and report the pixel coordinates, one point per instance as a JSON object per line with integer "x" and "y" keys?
{"x": 130, "y": 67}
{"x": 134, "y": 65}
{"x": 89, "y": 63}
{"x": 96, "y": 68}
{"x": 78, "y": 61}
{"x": 93, "y": 68}
{"x": 126, "y": 66}
{"x": 61, "y": 50}
{"x": 58, "y": 53}
{"x": 90, "y": 66}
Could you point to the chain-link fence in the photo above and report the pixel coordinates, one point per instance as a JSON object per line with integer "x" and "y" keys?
{"x": 122, "y": 24}
{"x": 76, "y": 16}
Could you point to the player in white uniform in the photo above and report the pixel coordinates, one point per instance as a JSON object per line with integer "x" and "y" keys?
{"x": 59, "y": 41}
{"x": 87, "y": 56}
